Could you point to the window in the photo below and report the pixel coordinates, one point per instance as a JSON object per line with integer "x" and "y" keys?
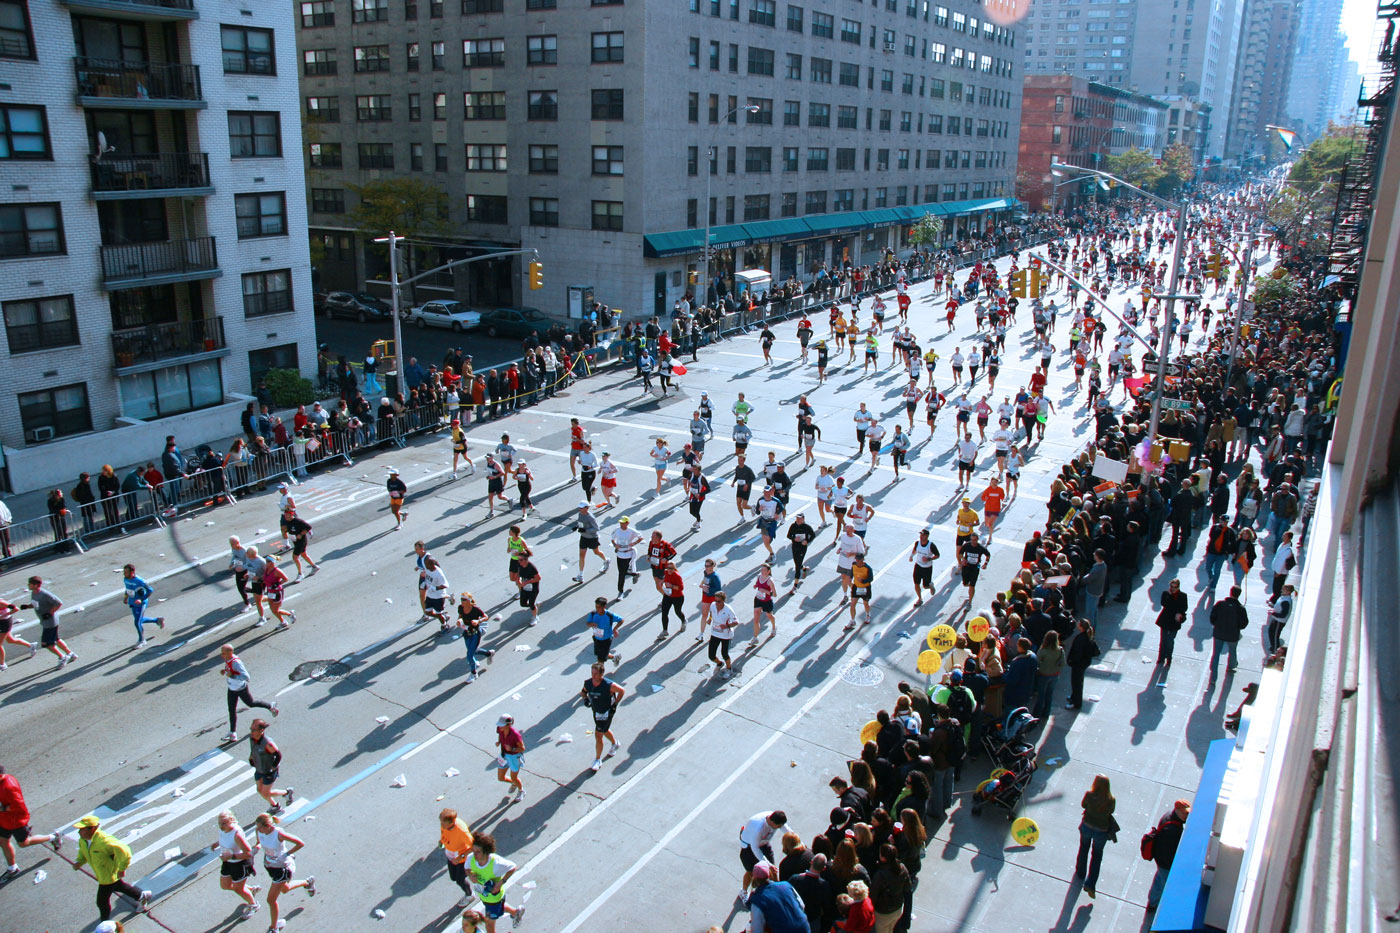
{"x": 318, "y": 61}
{"x": 935, "y": 123}
{"x": 371, "y": 58}
{"x": 887, "y": 81}
{"x": 16, "y": 39}
{"x": 818, "y": 114}
{"x": 714, "y": 56}
{"x": 694, "y": 51}
{"x": 764, "y": 115}
{"x": 40, "y": 323}
{"x": 758, "y": 159}
{"x": 792, "y": 113}
{"x": 882, "y": 160}
{"x": 823, "y": 25}
{"x": 692, "y": 212}
{"x": 607, "y": 47}
{"x": 844, "y": 199}
{"x": 55, "y": 412}
{"x": 607, "y": 215}
{"x": 794, "y": 66}
{"x": 260, "y": 215}
{"x": 906, "y": 121}
{"x": 763, "y": 12}
{"x": 692, "y": 161}
{"x": 317, "y": 13}
{"x": 756, "y": 206}
{"x": 376, "y": 155}
{"x": 373, "y": 108}
{"x": 486, "y": 208}
{"x": 440, "y": 105}
{"x": 471, "y": 7}
{"x": 882, "y": 197}
{"x": 254, "y": 135}
{"x": 789, "y": 204}
{"x": 415, "y": 107}
{"x": 415, "y": 156}
{"x": 846, "y": 117}
{"x": 821, "y": 70}
{"x": 24, "y": 133}
{"x": 410, "y": 10}
{"x": 936, "y": 87}
{"x": 884, "y": 119}
{"x": 541, "y": 50}
{"x": 323, "y": 110}
{"x": 484, "y": 105}
{"x": 845, "y": 160}
{"x": 816, "y": 202}
{"x": 817, "y": 159}
{"x": 607, "y": 104}
{"x": 605, "y": 3}
{"x": 269, "y": 292}
{"x": 543, "y": 105}
{"x": 901, "y": 159}
{"x": 434, "y": 9}
{"x": 325, "y": 155}
{"x": 247, "y": 51}
{"x": 850, "y": 31}
{"x": 760, "y": 61}
{"x": 411, "y": 57}
{"x": 544, "y": 212}
{"x": 172, "y": 390}
{"x": 607, "y": 160}
{"x": 369, "y": 11}
{"x": 544, "y": 160}
{"x": 483, "y": 53}
{"x": 439, "y": 56}
{"x": 789, "y": 158}
{"x": 486, "y": 158}
{"x": 849, "y": 75}
{"x": 30, "y": 230}
{"x": 439, "y": 157}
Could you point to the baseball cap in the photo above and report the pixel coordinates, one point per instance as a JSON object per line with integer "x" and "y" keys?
{"x": 281, "y": 485}
{"x": 955, "y": 677}
{"x": 583, "y": 503}
{"x": 393, "y": 471}
{"x": 761, "y": 872}
{"x": 106, "y": 926}
{"x": 505, "y": 720}
{"x": 90, "y": 821}
{"x": 625, "y": 519}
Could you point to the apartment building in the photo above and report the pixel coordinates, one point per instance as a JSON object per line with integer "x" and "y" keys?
{"x": 152, "y": 259}
{"x": 1092, "y": 39}
{"x": 595, "y": 130}
{"x": 1263, "y": 71}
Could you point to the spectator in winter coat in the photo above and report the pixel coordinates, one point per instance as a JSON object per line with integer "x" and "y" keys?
{"x": 1164, "y": 844}
{"x": 1228, "y": 619}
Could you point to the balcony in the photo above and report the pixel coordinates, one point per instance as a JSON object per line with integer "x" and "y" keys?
{"x": 109, "y": 83}
{"x": 169, "y": 174}
{"x": 148, "y": 347}
{"x": 142, "y": 10}
{"x": 131, "y": 265}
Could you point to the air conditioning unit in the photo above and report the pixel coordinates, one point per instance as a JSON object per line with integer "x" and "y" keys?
{"x": 889, "y": 46}
{"x": 38, "y": 435}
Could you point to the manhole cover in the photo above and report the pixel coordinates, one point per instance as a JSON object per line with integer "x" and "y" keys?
{"x": 862, "y": 674}
{"x": 325, "y": 671}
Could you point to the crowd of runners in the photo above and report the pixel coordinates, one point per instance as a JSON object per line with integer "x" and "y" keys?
{"x": 1232, "y": 463}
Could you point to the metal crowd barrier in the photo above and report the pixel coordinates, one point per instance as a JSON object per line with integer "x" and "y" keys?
{"x": 117, "y": 513}
{"x": 202, "y": 489}
{"x": 20, "y": 539}
{"x": 256, "y": 472}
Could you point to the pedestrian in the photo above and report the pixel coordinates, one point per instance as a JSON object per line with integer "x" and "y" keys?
{"x": 588, "y": 533}
{"x": 1170, "y": 619}
{"x": 456, "y": 839}
{"x": 1159, "y": 845}
{"x": 109, "y": 860}
{"x": 1228, "y": 619}
{"x": 490, "y": 872}
{"x": 472, "y": 621}
{"x": 603, "y": 626}
{"x": 46, "y": 606}
{"x": 889, "y": 884}
{"x": 755, "y": 845}
{"x": 14, "y": 824}
{"x": 236, "y": 862}
{"x": 7, "y": 636}
{"x": 1278, "y": 618}
{"x": 602, "y": 697}
{"x": 624, "y": 542}
{"x": 512, "y": 756}
{"x": 1051, "y": 659}
{"x": 1096, "y": 827}
{"x": 1080, "y": 655}
{"x": 397, "y": 491}
{"x": 774, "y": 906}
{"x": 266, "y": 759}
{"x": 274, "y": 588}
{"x": 138, "y": 595}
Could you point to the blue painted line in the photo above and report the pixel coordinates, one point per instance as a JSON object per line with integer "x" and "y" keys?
{"x": 350, "y": 782}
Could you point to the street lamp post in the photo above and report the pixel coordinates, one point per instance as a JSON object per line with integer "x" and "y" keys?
{"x": 712, "y": 157}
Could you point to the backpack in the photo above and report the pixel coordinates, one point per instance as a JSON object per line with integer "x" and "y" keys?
{"x": 1149, "y": 839}
{"x": 961, "y": 704}
{"x": 957, "y": 743}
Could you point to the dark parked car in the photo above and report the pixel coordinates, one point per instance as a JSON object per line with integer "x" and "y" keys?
{"x": 515, "y": 322}
{"x": 360, "y": 306}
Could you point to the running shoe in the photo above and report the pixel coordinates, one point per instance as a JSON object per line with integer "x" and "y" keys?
{"x": 578, "y": 578}
{"x": 727, "y": 673}
{"x": 284, "y": 624}
{"x": 141, "y": 643}
{"x": 519, "y": 916}
{"x": 663, "y": 636}
{"x": 607, "y": 562}
{"x": 72, "y": 656}
{"x": 699, "y": 637}
{"x": 262, "y": 620}
{"x": 464, "y": 900}
{"x": 275, "y": 712}
{"x": 471, "y": 678}
{"x": 145, "y": 901}
{"x": 293, "y": 614}
{"x": 33, "y": 650}
{"x": 597, "y": 764}
{"x": 161, "y": 623}
{"x": 63, "y": 662}
{"x": 230, "y": 737}
{"x": 682, "y": 628}
{"x": 250, "y": 909}
{"x": 753, "y": 643}
{"x": 617, "y": 661}
{"x": 614, "y": 750}
{"x": 57, "y": 842}
{"x": 290, "y": 791}
{"x": 519, "y": 794}
{"x": 14, "y": 872}
{"x": 311, "y": 885}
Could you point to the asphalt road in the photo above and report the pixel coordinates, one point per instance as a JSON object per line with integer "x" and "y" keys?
{"x": 428, "y": 344}
{"x": 649, "y": 842}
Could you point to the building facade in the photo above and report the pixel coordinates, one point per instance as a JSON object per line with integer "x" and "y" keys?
{"x": 1263, "y": 70}
{"x": 1093, "y": 40}
{"x": 1067, "y": 118}
{"x": 584, "y": 130}
{"x": 1317, "y": 59}
{"x": 1188, "y": 123}
{"x": 152, "y": 264}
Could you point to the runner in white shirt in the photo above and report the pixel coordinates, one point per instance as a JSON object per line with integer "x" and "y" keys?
{"x": 874, "y": 435}
{"x": 624, "y": 542}
{"x": 1014, "y": 461}
{"x": 862, "y": 418}
{"x": 825, "y": 484}
{"x": 1002, "y": 440}
{"x": 967, "y": 459}
{"x": 840, "y": 503}
{"x": 899, "y": 449}
{"x": 912, "y": 395}
{"x": 922, "y": 556}
{"x": 723, "y": 624}
{"x": 660, "y": 454}
{"x": 956, "y": 361}
{"x": 860, "y": 516}
{"x": 1006, "y": 410}
{"x": 847, "y": 547}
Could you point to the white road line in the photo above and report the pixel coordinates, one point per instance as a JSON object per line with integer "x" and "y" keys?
{"x": 472, "y": 715}
{"x": 203, "y": 818}
{"x": 735, "y": 774}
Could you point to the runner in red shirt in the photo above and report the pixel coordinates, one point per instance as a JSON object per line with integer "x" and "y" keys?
{"x": 575, "y": 446}
{"x": 992, "y": 499}
{"x": 14, "y": 824}
{"x": 659, "y": 553}
{"x": 1038, "y": 382}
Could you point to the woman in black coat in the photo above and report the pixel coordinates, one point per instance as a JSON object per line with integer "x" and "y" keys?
{"x": 1082, "y": 651}
{"x": 1169, "y": 620}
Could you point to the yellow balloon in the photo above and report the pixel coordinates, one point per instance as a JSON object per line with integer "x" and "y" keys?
{"x": 942, "y": 637}
{"x": 1024, "y": 831}
{"x": 869, "y": 731}
{"x": 983, "y": 786}
{"x": 930, "y": 662}
{"x": 978, "y": 628}
{"x": 999, "y": 772}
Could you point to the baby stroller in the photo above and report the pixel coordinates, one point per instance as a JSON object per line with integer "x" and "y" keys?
{"x": 1007, "y": 785}
{"x": 1006, "y": 741}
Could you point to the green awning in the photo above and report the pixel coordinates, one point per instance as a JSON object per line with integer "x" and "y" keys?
{"x": 675, "y": 243}
{"x": 882, "y": 217}
{"x": 772, "y": 231}
{"x": 836, "y": 224}
{"x": 977, "y": 206}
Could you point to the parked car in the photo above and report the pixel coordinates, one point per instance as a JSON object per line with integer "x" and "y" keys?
{"x": 515, "y": 322}
{"x": 359, "y": 306}
{"x": 449, "y": 313}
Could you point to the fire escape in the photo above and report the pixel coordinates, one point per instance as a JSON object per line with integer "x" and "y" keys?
{"x": 1352, "y": 216}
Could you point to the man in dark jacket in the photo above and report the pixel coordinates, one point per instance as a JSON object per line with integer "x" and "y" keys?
{"x": 855, "y": 799}
{"x": 1228, "y": 619}
{"x": 1179, "y": 514}
{"x": 1164, "y": 844}
{"x": 1126, "y": 560}
{"x": 1221, "y": 542}
{"x": 888, "y": 886}
{"x": 818, "y": 899}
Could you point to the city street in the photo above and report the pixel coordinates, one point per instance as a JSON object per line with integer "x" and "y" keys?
{"x": 367, "y": 696}
{"x": 428, "y": 344}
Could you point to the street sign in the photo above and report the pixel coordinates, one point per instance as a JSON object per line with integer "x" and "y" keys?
{"x": 1175, "y": 404}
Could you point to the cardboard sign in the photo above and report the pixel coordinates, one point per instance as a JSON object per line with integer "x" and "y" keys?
{"x": 1111, "y": 471}
{"x": 1062, "y": 580}
{"x": 929, "y": 663}
{"x": 942, "y": 637}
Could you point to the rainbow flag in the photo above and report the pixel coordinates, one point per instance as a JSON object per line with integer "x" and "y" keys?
{"x": 1288, "y": 136}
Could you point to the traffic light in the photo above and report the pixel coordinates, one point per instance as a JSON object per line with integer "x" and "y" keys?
{"x": 1215, "y": 267}
{"x": 1038, "y": 283}
{"x": 536, "y": 275}
{"x": 1018, "y": 283}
